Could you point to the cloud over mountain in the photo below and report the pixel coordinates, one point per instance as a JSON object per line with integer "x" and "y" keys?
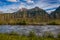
{"x": 48, "y": 5}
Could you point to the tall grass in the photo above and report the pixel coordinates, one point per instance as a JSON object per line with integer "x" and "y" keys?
{"x": 31, "y": 36}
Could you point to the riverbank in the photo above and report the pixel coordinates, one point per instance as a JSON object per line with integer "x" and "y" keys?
{"x": 20, "y": 32}
{"x": 24, "y": 23}
{"x": 31, "y": 36}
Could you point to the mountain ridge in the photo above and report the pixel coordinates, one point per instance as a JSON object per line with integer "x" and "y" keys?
{"x": 29, "y": 16}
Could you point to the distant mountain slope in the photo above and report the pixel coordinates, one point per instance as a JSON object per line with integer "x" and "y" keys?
{"x": 56, "y": 13}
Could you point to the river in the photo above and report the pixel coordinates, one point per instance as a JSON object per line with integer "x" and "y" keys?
{"x": 25, "y": 29}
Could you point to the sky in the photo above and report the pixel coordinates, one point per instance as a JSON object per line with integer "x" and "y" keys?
{"x": 9, "y": 6}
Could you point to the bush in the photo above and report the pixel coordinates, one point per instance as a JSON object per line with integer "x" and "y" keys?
{"x": 52, "y": 23}
{"x": 21, "y": 23}
{"x": 13, "y": 33}
{"x": 59, "y": 35}
{"x": 48, "y": 35}
{"x": 31, "y": 34}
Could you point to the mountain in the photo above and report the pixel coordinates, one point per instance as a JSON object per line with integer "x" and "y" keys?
{"x": 56, "y": 13}
{"x": 33, "y": 14}
{"x": 55, "y": 17}
{"x": 30, "y": 16}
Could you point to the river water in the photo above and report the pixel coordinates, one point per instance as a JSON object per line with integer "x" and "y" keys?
{"x": 25, "y": 29}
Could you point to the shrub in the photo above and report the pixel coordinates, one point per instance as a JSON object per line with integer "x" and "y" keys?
{"x": 52, "y": 23}
{"x": 13, "y": 33}
{"x": 48, "y": 35}
{"x": 59, "y": 35}
{"x": 31, "y": 34}
{"x": 21, "y": 23}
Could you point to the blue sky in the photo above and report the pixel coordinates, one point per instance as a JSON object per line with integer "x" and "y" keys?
{"x": 14, "y": 5}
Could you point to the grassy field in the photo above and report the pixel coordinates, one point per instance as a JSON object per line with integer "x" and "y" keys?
{"x": 31, "y": 36}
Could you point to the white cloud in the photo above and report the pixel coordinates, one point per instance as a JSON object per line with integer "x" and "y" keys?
{"x": 49, "y": 11}
{"x": 44, "y": 4}
{"x": 12, "y": 0}
{"x": 29, "y": 1}
{"x": 10, "y": 8}
{"x": 22, "y": 5}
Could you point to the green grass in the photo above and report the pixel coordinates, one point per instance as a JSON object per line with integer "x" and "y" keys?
{"x": 31, "y": 36}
